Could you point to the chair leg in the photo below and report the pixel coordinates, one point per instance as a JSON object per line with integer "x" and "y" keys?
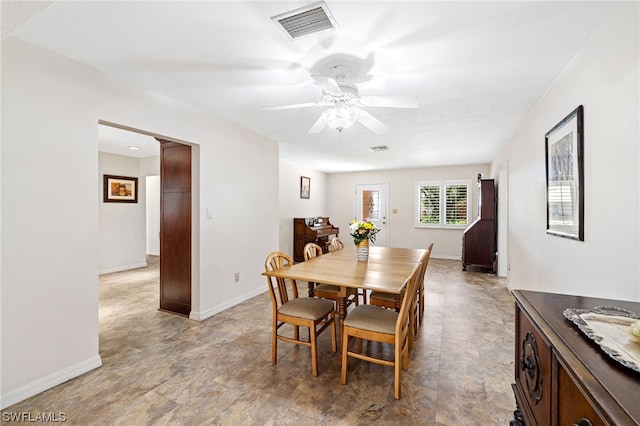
{"x": 314, "y": 349}
{"x": 274, "y": 344}
{"x": 334, "y": 346}
{"x": 296, "y": 332}
{"x": 421, "y": 301}
{"x": 405, "y": 358}
{"x": 412, "y": 328}
{"x": 397, "y": 371}
{"x": 345, "y": 348}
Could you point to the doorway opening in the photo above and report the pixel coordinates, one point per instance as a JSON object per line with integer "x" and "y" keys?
{"x": 130, "y": 233}
{"x": 124, "y": 230}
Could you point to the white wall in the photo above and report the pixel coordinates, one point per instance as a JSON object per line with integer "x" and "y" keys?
{"x": 150, "y": 166}
{"x": 401, "y": 225}
{"x": 150, "y": 171}
{"x": 128, "y": 231}
{"x": 238, "y": 173}
{"x": 122, "y": 226}
{"x": 604, "y": 78}
{"x": 291, "y": 205}
{"x": 50, "y": 111}
{"x": 153, "y": 215}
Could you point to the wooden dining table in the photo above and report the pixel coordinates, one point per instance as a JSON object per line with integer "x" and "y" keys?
{"x": 387, "y": 270}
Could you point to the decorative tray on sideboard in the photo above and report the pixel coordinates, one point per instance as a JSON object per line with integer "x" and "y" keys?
{"x": 609, "y": 327}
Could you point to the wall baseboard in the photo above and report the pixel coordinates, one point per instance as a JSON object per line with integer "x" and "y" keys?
{"x": 40, "y": 385}
{"x": 122, "y": 268}
{"x": 200, "y": 316}
{"x": 447, "y": 257}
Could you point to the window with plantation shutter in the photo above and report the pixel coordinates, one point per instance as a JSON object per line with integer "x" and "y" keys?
{"x": 456, "y": 204}
{"x": 429, "y": 204}
{"x": 442, "y": 204}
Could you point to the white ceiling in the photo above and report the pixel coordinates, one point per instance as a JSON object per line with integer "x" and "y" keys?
{"x": 119, "y": 141}
{"x": 476, "y": 67}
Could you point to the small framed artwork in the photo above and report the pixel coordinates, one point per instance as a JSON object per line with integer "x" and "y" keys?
{"x": 305, "y": 187}
{"x": 120, "y": 189}
{"x": 564, "y": 155}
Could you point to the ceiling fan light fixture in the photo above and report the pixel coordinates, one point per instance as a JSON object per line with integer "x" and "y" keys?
{"x": 348, "y": 106}
{"x": 341, "y": 117}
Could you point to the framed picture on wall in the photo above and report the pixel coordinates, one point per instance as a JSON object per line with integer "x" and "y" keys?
{"x": 305, "y": 187}
{"x": 120, "y": 189}
{"x": 564, "y": 154}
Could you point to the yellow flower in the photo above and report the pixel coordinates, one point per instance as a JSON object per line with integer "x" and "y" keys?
{"x": 363, "y": 230}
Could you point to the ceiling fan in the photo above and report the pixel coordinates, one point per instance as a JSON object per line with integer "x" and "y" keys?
{"x": 347, "y": 106}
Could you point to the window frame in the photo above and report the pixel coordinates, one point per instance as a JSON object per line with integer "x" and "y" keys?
{"x": 442, "y": 185}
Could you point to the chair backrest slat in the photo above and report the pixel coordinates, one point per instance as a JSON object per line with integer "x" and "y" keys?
{"x": 425, "y": 262}
{"x": 278, "y": 289}
{"x": 410, "y": 293}
{"x": 336, "y": 244}
{"x": 312, "y": 250}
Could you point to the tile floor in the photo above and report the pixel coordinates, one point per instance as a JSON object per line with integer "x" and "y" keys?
{"x": 163, "y": 369}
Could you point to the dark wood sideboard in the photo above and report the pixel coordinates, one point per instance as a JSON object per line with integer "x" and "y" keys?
{"x": 563, "y": 378}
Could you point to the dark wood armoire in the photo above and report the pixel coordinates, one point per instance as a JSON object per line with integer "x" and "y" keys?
{"x": 479, "y": 240}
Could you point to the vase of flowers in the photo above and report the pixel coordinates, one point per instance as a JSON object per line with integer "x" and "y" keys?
{"x": 362, "y": 251}
{"x": 363, "y": 232}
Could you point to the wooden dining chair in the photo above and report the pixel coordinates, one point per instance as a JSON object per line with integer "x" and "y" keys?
{"x": 421, "y": 284}
{"x": 328, "y": 291}
{"x": 382, "y": 299}
{"x": 336, "y": 244}
{"x": 375, "y": 323}
{"x": 388, "y": 300}
{"x": 311, "y": 250}
{"x": 288, "y": 308}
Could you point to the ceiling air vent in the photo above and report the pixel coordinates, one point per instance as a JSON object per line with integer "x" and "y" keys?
{"x": 306, "y": 20}
{"x": 379, "y": 148}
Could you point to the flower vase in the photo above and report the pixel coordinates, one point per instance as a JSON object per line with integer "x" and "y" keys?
{"x": 362, "y": 251}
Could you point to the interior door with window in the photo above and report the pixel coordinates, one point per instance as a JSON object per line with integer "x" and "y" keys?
{"x": 371, "y": 203}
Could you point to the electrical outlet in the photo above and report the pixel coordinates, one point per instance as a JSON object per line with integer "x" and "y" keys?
{"x": 236, "y": 277}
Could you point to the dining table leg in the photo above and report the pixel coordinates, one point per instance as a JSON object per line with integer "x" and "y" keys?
{"x": 342, "y": 311}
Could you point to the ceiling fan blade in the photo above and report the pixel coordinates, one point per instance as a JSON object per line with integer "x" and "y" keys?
{"x": 372, "y": 123}
{"x": 320, "y": 124}
{"x": 291, "y": 106}
{"x": 328, "y": 84}
{"x": 390, "y": 101}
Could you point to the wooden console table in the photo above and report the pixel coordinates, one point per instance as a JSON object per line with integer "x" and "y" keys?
{"x": 563, "y": 378}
